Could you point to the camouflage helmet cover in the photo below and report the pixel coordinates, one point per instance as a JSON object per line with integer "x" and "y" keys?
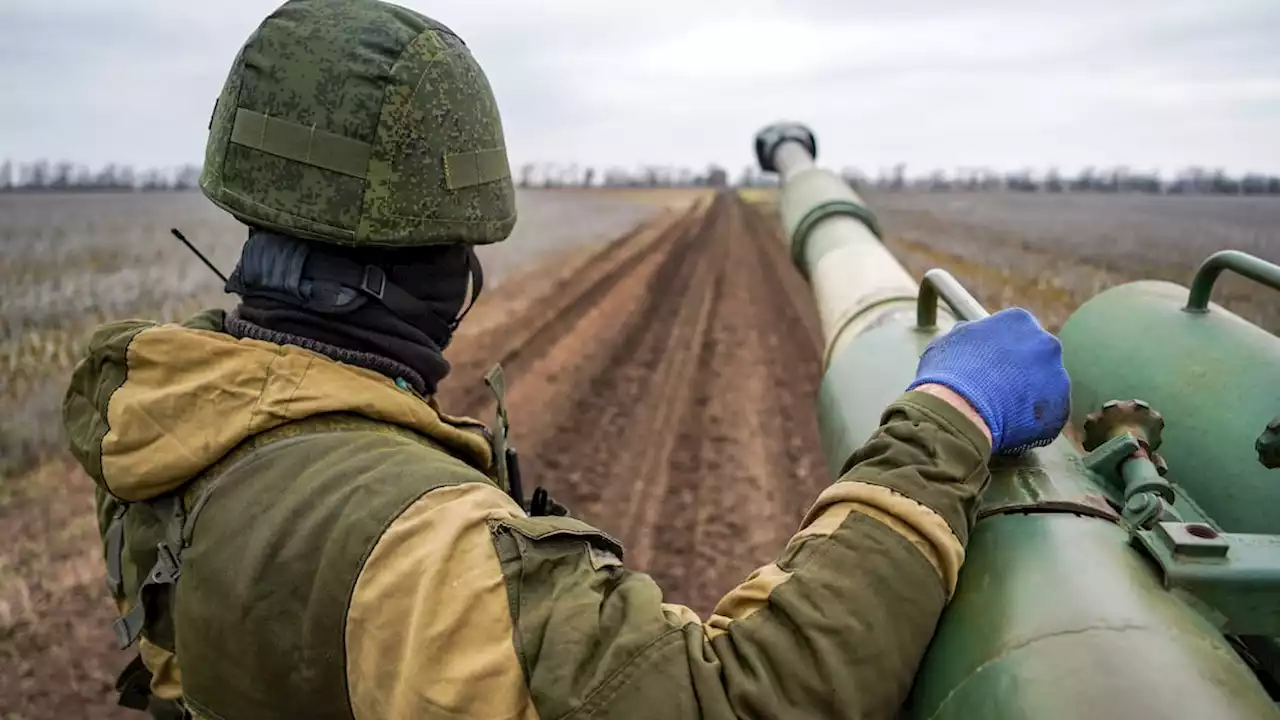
{"x": 360, "y": 123}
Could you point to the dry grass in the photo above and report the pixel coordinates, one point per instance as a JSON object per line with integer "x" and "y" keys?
{"x": 55, "y": 614}
{"x": 1050, "y": 254}
{"x": 664, "y": 197}
{"x": 760, "y": 196}
{"x": 72, "y": 262}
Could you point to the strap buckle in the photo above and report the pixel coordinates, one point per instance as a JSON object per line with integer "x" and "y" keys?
{"x": 168, "y": 567}
{"x": 129, "y": 627}
{"x": 376, "y": 275}
{"x": 166, "y": 571}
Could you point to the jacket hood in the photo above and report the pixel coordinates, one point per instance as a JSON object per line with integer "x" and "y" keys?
{"x": 152, "y": 405}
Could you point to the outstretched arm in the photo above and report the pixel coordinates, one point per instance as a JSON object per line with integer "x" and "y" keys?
{"x": 556, "y": 626}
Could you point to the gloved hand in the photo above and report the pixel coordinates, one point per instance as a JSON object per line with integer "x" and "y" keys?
{"x": 1010, "y": 370}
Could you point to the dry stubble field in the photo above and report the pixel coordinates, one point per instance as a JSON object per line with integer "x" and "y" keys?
{"x": 656, "y": 380}
{"x": 1053, "y": 252}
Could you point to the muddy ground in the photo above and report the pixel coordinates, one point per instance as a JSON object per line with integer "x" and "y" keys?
{"x": 660, "y": 384}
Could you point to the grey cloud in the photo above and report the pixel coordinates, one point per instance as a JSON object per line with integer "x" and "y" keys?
{"x": 1152, "y": 83}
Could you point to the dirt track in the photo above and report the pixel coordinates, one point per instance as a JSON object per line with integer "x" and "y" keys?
{"x": 664, "y": 390}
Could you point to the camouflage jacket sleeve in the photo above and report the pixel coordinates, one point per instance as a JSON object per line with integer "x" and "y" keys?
{"x": 835, "y": 627}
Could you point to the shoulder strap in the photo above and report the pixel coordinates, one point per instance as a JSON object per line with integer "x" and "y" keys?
{"x": 498, "y": 384}
{"x": 115, "y": 551}
{"x": 506, "y": 460}
{"x": 165, "y": 571}
{"x": 134, "y": 683}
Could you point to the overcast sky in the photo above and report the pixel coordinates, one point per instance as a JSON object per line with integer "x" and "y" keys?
{"x": 1152, "y": 84}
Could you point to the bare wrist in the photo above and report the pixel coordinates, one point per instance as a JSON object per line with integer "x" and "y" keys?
{"x": 956, "y": 401}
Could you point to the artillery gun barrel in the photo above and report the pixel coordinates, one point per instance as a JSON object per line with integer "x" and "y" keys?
{"x": 860, "y": 289}
{"x": 1065, "y": 606}
{"x": 857, "y": 282}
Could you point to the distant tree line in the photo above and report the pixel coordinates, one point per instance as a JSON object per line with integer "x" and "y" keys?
{"x": 550, "y": 175}
{"x": 64, "y": 176}
{"x": 1189, "y": 181}
{"x": 1194, "y": 180}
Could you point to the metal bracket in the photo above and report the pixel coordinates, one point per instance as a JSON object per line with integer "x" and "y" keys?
{"x": 1268, "y": 445}
{"x": 1132, "y": 484}
{"x": 1105, "y": 460}
{"x": 1236, "y": 575}
{"x": 166, "y": 571}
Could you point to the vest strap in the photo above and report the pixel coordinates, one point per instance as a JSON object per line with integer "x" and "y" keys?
{"x": 115, "y": 552}
{"x": 505, "y": 458}
{"x": 166, "y": 571}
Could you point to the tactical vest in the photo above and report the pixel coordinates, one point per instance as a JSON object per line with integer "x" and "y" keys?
{"x": 148, "y": 542}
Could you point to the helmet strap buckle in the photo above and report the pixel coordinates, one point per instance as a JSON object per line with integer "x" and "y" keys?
{"x": 374, "y": 276}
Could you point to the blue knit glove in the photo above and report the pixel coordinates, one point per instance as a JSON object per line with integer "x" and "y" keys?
{"x": 1010, "y": 370}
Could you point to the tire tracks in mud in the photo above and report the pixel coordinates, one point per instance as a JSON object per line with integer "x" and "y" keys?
{"x": 528, "y": 338}
{"x": 666, "y": 393}
{"x": 616, "y": 426}
{"x": 751, "y": 462}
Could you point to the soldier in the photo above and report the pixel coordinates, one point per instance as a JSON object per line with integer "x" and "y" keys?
{"x": 293, "y": 528}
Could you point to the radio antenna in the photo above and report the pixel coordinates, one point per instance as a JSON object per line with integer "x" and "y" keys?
{"x": 178, "y": 234}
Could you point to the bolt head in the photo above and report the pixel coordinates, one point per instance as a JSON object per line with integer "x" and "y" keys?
{"x": 1268, "y": 445}
{"x": 1138, "y": 503}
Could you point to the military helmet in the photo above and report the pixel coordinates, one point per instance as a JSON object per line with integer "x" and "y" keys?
{"x": 360, "y": 123}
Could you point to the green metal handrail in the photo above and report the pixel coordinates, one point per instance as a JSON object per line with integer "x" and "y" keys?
{"x": 1250, "y": 266}
{"x": 938, "y": 284}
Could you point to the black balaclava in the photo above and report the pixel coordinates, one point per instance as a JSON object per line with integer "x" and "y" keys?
{"x": 392, "y": 310}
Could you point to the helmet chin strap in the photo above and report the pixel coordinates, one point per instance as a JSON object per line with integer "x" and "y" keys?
{"x": 475, "y": 283}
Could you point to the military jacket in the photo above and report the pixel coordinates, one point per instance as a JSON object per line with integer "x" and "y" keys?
{"x": 346, "y": 552}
